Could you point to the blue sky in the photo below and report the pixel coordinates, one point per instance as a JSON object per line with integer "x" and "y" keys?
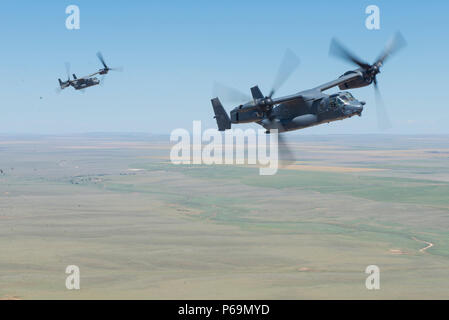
{"x": 173, "y": 51}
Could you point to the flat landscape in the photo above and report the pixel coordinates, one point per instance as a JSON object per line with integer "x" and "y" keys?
{"x": 139, "y": 227}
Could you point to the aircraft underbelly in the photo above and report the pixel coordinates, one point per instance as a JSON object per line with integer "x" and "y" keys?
{"x": 84, "y": 86}
{"x": 308, "y": 120}
{"x": 304, "y": 121}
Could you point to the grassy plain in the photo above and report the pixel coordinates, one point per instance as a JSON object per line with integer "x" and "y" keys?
{"x": 139, "y": 227}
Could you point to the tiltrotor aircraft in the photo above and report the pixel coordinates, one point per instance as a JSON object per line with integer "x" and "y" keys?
{"x": 88, "y": 81}
{"x": 310, "y": 107}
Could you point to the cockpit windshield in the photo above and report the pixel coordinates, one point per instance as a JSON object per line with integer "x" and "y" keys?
{"x": 340, "y": 99}
{"x": 345, "y": 98}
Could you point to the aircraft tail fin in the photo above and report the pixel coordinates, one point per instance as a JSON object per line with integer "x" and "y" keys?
{"x": 256, "y": 93}
{"x": 60, "y": 82}
{"x": 74, "y": 76}
{"x": 223, "y": 121}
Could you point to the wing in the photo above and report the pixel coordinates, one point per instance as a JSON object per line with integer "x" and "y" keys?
{"x": 92, "y": 75}
{"x": 294, "y": 98}
{"x": 298, "y": 104}
{"x": 89, "y": 76}
{"x": 345, "y": 78}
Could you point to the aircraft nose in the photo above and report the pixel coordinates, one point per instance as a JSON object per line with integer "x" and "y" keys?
{"x": 358, "y": 108}
{"x": 354, "y": 109}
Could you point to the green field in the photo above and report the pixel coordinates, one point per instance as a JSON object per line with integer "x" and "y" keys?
{"x": 139, "y": 227}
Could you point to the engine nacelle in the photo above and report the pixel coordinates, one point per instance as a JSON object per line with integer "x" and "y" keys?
{"x": 359, "y": 82}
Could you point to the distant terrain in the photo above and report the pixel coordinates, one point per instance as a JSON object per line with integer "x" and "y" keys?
{"x": 140, "y": 227}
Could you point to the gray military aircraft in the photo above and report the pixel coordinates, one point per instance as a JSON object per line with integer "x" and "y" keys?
{"x": 310, "y": 107}
{"x": 88, "y": 81}
{"x": 78, "y": 83}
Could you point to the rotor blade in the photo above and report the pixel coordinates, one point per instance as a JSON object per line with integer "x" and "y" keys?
{"x": 289, "y": 64}
{"x": 230, "y": 95}
{"x": 67, "y": 69}
{"x": 286, "y": 155}
{"x": 118, "y": 69}
{"x": 103, "y": 77}
{"x": 383, "y": 121}
{"x": 394, "y": 45}
{"x": 100, "y": 56}
{"x": 338, "y": 50}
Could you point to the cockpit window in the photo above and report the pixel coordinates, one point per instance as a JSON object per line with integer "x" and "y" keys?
{"x": 342, "y": 101}
{"x": 347, "y": 96}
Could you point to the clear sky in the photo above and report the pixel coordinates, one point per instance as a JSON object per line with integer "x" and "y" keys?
{"x": 173, "y": 51}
